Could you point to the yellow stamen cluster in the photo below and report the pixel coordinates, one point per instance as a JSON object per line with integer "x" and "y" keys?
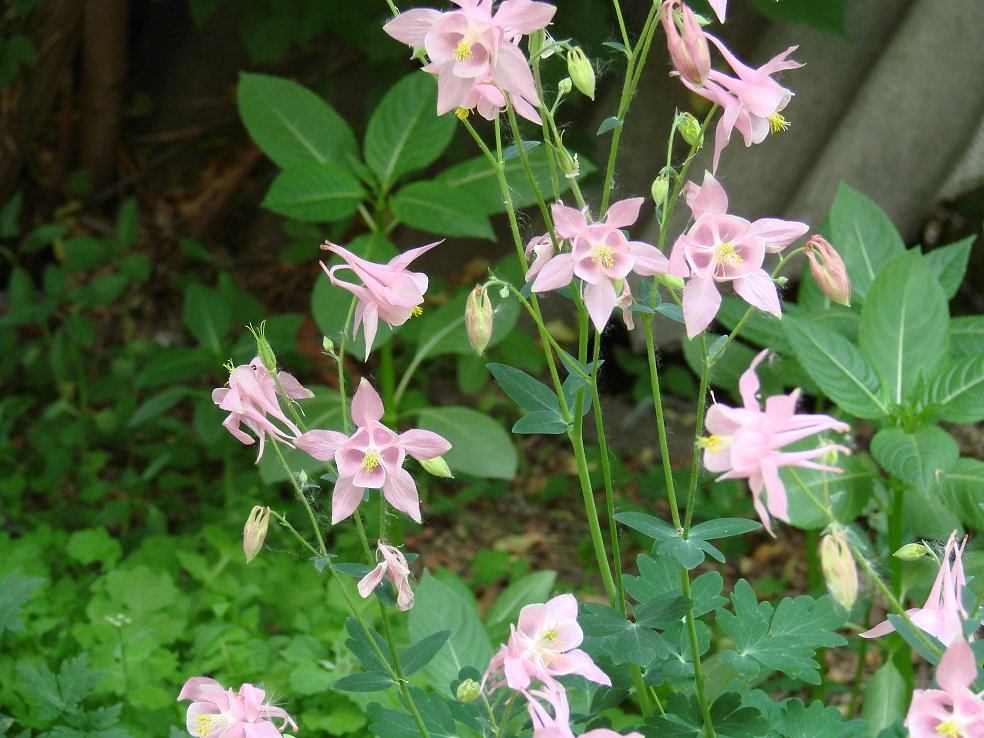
{"x": 462, "y": 51}
{"x": 777, "y": 122}
{"x": 417, "y": 310}
{"x": 206, "y": 724}
{"x": 603, "y": 255}
{"x": 370, "y": 461}
{"x": 727, "y": 258}
{"x": 949, "y": 729}
{"x": 547, "y": 646}
{"x": 714, "y": 444}
{"x": 462, "y": 113}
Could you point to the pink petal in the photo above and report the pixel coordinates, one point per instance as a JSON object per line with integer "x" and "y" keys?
{"x": 401, "y": 492}
{"x": 294, "y": 389}
{"x": 777, "y": 233}
{"x": 556, "y": 273}
{"x": 344, "y": 499}
{"x": 623, "y": 213}
{"x": 748, "y": 384}
{"x": 720, "y": 8}
{"x": 568, "y": 222}
{"x": 321, "y": 444}
{"x": 402, "y": 261}
{"x": 648, "y": 259}
{"x": 600, "y": 300}
{"x": 371, "y": 580}
{"x": 200, "y": 689}
{"x": 711, "y": 199}
{"x": 512, "y": 73}
{"x": 412, "y": 26}
{"x": 701, "y": 301}
{"x": 423, "y": 444}
{"x": 523, "y": 16}
{"x": 958, "y": 667}
{"x": 759, "y": 290}
{"x": 367, "y": 408}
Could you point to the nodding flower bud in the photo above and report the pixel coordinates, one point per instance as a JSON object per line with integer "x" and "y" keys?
{"x": 564, "y": 86}
{"x": 831, "y": 275}
{"x": 839, "y": 569}
{"x": 686, "y": 42}
{"x": 263, "y": 348}
{"x": 467, "y": 691}
{"x": 437, "y": 466}
{"x": 478, "y": 319}
{"x": 660, "y": 189}
{"x": 689, "y": 128}
{"x": 911, "y": 552}
{"x": 581, "y": 72}
{"x": 254, "y": 533}
{"x": 568, "y": 163}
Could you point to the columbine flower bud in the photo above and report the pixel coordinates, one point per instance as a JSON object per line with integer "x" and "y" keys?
{"x": 478, "y": 319}
{"x": 328, "y": 345}
{"x": 674, "y": 283}
{"x": 254, "y": 533}
{"x": 467, "y": 691}
{"x": 839, "y": 569}
{"x": 689, "y": 128}
{"x": 911, "y": 552}
{"x": 564, "y": 86}
{"x": 831, "y": 275}
{"x": 660, "y": 189}
{"x": 437, "y": 466}
{"x": 568, "y": 164}
{"x": 263, "y": 348}
{"x": 581, "y": 71}
{"x": 686, "y": 42}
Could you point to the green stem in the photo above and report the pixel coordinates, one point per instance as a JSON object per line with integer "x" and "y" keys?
{"x": 705, "y": 707}
{"x": 895, "y": 540}
{"x": 664, "y": 450}
{"x": 300, "y": 496}
{"x": 698, "y": 433}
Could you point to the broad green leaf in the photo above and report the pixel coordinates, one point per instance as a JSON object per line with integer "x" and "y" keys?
{"x": 526, "y": 590}
{"x": 438, "y": 607}
{"x": 158, "y": 404}
{"x": 362, "y": 648}
{"x": 817, "y": 721}
{"x": 914, "y": 637}
{"x": 967, "y": 335}
{"x": 527, "y": 392}
{"x": 629, "y": 641}
{"x": 479, "y": 445}
{"x": 15, "y": 590}
{"x": 548, "y": 422}
{"x": 761, "y": 328}
{"x": 949, "y": 264}
{"x": 291, "y": 124}
{"x": 723, "y": 528}
{"x": 886, "y": 698}
{"x": 917, "y": 458}
{"x": 924, "y": 517}
{"x": 174, "y": 365}
{"x": 315, "y": 192}
{"x": 405, "y": 133}
{"x": 904, "y": 326}
{"x": 838, "y": 367}
{"x": 959, "y": 390}
{"x": 94, "y": 544}
{"x": 433, "y": 710}
{"x": 864, "y": 236}
{"x": 962, "y": 491}
{"x": 730, "y": 365}
{"x": 207, "y": 316}
{"x": 364, "y": 681}
{"x": 423, "y": 651}
{"x": 648, "y": 525}
{"x": 828, "y": 15}
{"x": 660, "y": 576}
{"x": 848, "y": 491}
{"x": 436, "y": 208}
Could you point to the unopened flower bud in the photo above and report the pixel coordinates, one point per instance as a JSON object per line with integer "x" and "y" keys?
{"x": 328, "y": 345}
{"x": 568, "y": 164}
{"x": 504, "y": 292}
{"x": 478, "y": 318}
{"x": 255, "y": 530}
{"x": 564, "y": 86}
{"x": 467, "y": 691}
{"x": 831, "y": 275}
{"x": 581, "y": 72}
{"x": 437, "y": 466}
{"x": 911, "y": 552}
{"x": 263, "y": 348}
{"x": 781, "y": 281}
{"x": 689, "y": 128}
{"x": 839, "y": 569}
{"x": 536, "y": 41}
{"x": 660, "y": 189}
{"x": 674, "y": 283}
{"x": 686, "y": 42}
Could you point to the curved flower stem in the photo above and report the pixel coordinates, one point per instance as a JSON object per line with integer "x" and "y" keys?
{"x": 698, "y": 432}
{"x": 285, "y": 523}
{"x": 664, "y": 450}
{"x": 300, "y": 496}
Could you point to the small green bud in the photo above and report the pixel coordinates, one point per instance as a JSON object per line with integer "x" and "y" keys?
{"x": 328, "y": 345}
{"x": 689, "y": 128}
{"x": 437, "y": 466}
{"x": 302, "y": 477}
{"x": 674, "y": 283}
{"x": 564, "y": 86}
{"x": 568, "y": 164}
{"x": 504, "y": 292}
{"x": 581, "y": 72}
{"x": 911, "y": 552}
{"x": 781, "y": 281}
{"x": 467, "y": 691}
{"x": 263, "y": 348}
{"x": 660, "y": 189}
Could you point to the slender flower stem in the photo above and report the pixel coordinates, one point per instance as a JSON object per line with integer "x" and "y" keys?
{"x": 300, "y": 496}
{"x": 664, "y": 450}
{"x": 284, "y": 522}
{"x": 705, "y": 706}
{"x": 698, "y": 433}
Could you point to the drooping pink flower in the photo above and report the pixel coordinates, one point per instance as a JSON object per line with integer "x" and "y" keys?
{"x": 725, "y": 248}
{"x": 540, "y": 249}
{"x": 475, "y": 53}
{"x": 388, "y": 291}
{"x": 830, "y": 274}
{"x": 745, "y": 442}
{"x": 395, "y": 568}
{"x": 752, "y": 102}
{"x": 217, "y": 712}
{"x": 686, "y": 42}
{"x": 251, "y": 400}
{"x": 954, "y": 710}
{"x": 558, "y": 724}
{"x": 944, "y": 613}
{"x": 600, "y": 256}
{"x": 372, "y": 458}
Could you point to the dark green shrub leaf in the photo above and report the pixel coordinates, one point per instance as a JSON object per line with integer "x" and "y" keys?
{"x": 315, "y": 192}
{"x": 436, "y": 208}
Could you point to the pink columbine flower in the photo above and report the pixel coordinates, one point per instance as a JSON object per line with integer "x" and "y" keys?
{"x": 388, "y": 291}
{"x": 725, "y": 248}
{"x": 686, "y": 42}
{"x": 475, "y": 53}
{"x": 558, "y": 725}
{"x": 544, "y": 645}
{"x": 752, "y": 102}
{"x": 372, "y": 458}
{"x": 217, "y": 712}
{"x": 943, "y": 614}
{"x": 601, "y": 256}
{"x": 745, "y": 442}
{"x": 395, "y": 568}
{"x": 251, "y": 400}
{"x": 954, "y": 710}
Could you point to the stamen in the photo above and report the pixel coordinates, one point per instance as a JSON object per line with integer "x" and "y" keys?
{"x": 603, "y": 255}
{"x": 417, "y": 310}
{"x": 463, "y": 51}
{"x": 462, "y": 113}
{"x": 370, "y": 461}
{"x": 777, "y": 122}
{"x": 714, "y": 444}
{"x": 206, "y": 724}
{"x": 949, "y": 729}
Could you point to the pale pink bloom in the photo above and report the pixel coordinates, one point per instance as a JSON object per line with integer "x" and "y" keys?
{"x": 688, "y": 49}
{"x": 388, "y": 291}
{"x": 558, "y": 725}
{"x": 251, "y": 400}
{"x": 954, "y": 710}
{"x": 725, "y": 248}
{"x": 216, "y": 712}
{"x": 830, "y": 274}
{"x": 540, "y": 249}
{"x": 372, "y": 458}
{"x": 744, "y": 442}
{"x": 944, "y": 613}
{"x": 395, "y": 568}
{"x": 600, "y": 256}
{"x": 752, "y": 102}
{"x": 475, "y": 54}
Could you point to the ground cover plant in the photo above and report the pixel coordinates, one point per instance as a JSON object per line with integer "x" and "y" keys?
{"x": 832, "y": 413}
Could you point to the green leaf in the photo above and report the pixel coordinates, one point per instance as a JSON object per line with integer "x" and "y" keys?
{"x": 886, "y": 698}
{"x": 828, "y": 15}
{"x": 174, "y": 365}
{"x": 967, "y": 335}
{"x": 315, "y": 192}
{"x": 365, "y": 681}
{"x": 817, "y": 721}
{"x": 405, "y": 133}
{"x": 158, "y": 404}
{"x": 436, "y": 208}
{"x": 629, "y": 641}
{"x": 479, "y": 445}
{"x": 918, "y": 458}
{"x": 865, "y": 237}
{"x": 362, "y": 648}
{"x": 423, "y": 651}
{"x": 434, "y": 711}
{"x": 609, "y": 124}
{"x": 904, "y": 324}
{"x": 527, "y": 392}
{"x": 548, "y": 422}
{"x": 723, "y": 528}
{"x": 207, "y": 316}
{"x": 439, "y": 607}
{"x": 949, "y": 264}
{"x": 959, "y": 390}
{"x": 731, "y": 719}
{"x": 291, "y": 124}
{"x": 526, "y": 590}
{"x": 323, "y": 411}
{"x": 94, "y": 544}
{"x": 838, "y": 367}
{"x": 661, "y": 576}
{"x": 962, "y": 491}
{"x": 848, "y": 492}
{"x": 914, "y": 637}
{"x": 15, "y": 590}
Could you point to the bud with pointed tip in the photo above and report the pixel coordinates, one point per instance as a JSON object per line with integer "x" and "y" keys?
{"x": 437, "y": 466}
{"x": 831, "y": 275}
{"x": 581, "y": 72}
{"x": 689, "y": 128}
{"x": 263, "y": 348}
{"x": 478, "y": 318}
{"x": 839, "y": 569}
{"x": 564, "y": 86}
{"x": 660, "y": 189}
{"x": 911, "y": 552}
{"x": 255, "y": 530}
{"x": 686, "y": 42}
